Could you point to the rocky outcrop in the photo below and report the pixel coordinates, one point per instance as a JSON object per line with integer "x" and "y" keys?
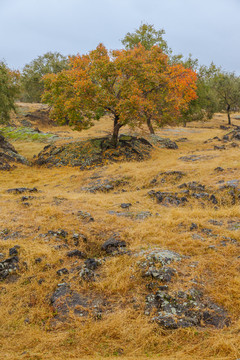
{"x": 9, "y": 155}
{"x": 113, "y": 245}
{"x": 104, "y": 185}
{"x": 168, "y": 198}
{"x": 8, "y": 267}
{"x": 162, "y": 142}
{"x": 225, "y": 195}
{"x": 66, "y": 301}
{"x": 173, "y": 309}
{"x": 185, "y": 309}
{"x": 95, "y": 152}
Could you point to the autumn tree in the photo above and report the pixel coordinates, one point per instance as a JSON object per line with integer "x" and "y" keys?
{"x": 31, "y": 77}
{"x": 174, "y": 103}
{"x": 166, "y": 90}
{"x": 134, "y": 86}
{"x": 9, "y": 89}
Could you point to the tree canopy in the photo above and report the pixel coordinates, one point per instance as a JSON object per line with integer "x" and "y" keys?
{"x": 31, "y": 79}
{"x": 206, "y": 103}
{"x": 227, "y": 87}
{"x": 134, "y": 86}
{"x": 9, "y": 89}
{"x": 147, "y": 36}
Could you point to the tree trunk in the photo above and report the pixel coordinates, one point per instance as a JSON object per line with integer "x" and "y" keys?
{"x": 116, "y": 128}
{"x": 228, "y": 114}
{"x": 150, "y": 127}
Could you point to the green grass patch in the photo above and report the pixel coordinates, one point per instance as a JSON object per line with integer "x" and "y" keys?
{"x": 26, "y": 134}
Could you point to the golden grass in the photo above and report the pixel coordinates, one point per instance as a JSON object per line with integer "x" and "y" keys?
{"x": 25, "y": 312}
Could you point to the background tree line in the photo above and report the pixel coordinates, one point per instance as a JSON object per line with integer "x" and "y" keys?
{"x": 142, "y": 83}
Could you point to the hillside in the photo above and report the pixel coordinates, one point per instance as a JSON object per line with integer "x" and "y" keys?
{"x": 129, "y": 259}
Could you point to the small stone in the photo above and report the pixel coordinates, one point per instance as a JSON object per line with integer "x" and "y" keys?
{"x": 14, "y": 250}
{"x": 219, "y": 169}
{"x": 26, "y": 204}
{"x": 75, "y": 236}
{"x": 76, "y": 239}
{"x": 215, "y": 222}
{"x": 86, "y": 274}
{"x": 8, "y": 266}
{"x": 213, "y": 199}
{"x": 223, "y": 243}
{"x": 183, "y": 139}
{"x": 193, "y": 226}
{"x": 91, "y": 264}
{"x": 197, "y": 237}
{"x": 125, "y": 205}
{"x": 216, "y": 147}
{"x": 206, "y": 231}
{"x": 164, "y": 274}
{"x": 85, "y": 216}
{"x": 62, "y": 271}
{"x": 47, "y": 267}
{"x": 233, "y": 183}
{"x": 113, "y": 244}
{"x": 76, "y": 253}
{"x": 22, "y": 190}
{"x": 61, "y": 233}
{"x": 163, "y": 287}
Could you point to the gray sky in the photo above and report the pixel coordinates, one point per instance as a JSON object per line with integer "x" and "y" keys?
{"x": 208, "y": 29}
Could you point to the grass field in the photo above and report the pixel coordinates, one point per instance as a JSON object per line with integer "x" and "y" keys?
{"x": 26, "y": 315}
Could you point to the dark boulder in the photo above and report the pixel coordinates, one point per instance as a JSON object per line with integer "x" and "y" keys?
{"x": 21, "y": 190}
{"x": 9, "y": 155}
{"x": 185, "y": 309}
{"x": 8, "y": 267}
{"x": 168, "y": 198}
{"x": 164, "y": 274}
{"x": 64, "y": 300}
{"x": 162, "y": 142}
{"x": 76, "y": 253}
{"x": 113, "y": 244}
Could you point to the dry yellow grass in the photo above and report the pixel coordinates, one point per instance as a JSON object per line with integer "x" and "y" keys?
{"x": 26, "y": 330}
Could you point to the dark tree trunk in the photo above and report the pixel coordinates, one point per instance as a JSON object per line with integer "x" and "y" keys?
{"x": 116, "y": 128}
{"x": 228, "y": 114}
{"x": 150, "y": 127}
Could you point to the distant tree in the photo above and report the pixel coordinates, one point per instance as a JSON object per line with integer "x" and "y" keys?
{"x": 148, "y": 36}
{"x": 207, "y": 102}
{"x": 31, "y": 78}
{"x": 135, "y": 86}
{"x": 9, "y": 89}
{"x": 227, "y": 87}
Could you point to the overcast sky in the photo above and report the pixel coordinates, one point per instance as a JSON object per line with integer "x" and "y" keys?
{"x": 208, "y": 29}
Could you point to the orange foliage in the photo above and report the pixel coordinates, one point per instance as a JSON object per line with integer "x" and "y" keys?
{"x": 135, "y": 86}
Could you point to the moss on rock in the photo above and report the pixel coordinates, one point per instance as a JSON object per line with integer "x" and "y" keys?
{"x": 95, "y": 152}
